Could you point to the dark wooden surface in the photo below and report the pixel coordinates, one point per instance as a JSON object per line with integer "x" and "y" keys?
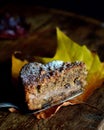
{"x": 42, "y": 41}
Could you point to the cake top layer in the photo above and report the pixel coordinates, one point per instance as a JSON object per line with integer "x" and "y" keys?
{"x": 31, "y": 72}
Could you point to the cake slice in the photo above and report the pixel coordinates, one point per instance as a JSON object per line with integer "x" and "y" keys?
{"x": 52, "y": 83}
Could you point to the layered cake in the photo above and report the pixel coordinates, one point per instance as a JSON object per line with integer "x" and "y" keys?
{"x": 49, "y": 84}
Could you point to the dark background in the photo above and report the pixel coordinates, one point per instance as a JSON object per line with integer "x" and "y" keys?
{"x": 91, "y": 8}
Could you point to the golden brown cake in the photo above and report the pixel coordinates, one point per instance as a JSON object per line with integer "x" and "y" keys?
{"x": 48, "y": 84}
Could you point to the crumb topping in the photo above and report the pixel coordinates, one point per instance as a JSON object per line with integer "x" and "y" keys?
{"x": 31, "y": 73}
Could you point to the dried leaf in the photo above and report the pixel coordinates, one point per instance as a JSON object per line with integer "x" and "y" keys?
{"x": 68, "y": 50}
{"x": 16, "y": 66}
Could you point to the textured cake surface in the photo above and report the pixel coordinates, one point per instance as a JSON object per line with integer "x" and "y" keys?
{"x": 46, "y": 84}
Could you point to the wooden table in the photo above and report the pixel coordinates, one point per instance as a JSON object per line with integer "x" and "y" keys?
{"x": 41, "y": 41}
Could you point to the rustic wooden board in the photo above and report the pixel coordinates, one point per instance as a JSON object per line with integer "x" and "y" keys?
{"x": 42, "y": 41}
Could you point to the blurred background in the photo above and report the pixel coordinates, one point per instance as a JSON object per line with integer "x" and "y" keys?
{"x": 91, "y": 8}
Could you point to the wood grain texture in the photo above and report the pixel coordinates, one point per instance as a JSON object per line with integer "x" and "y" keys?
{"x": 41, "y": 41}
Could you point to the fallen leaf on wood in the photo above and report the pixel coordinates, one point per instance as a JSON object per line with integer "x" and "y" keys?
{"x": 68, "y": 50}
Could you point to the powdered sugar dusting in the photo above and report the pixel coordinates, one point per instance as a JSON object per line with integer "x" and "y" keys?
{"x": 32, "y": 72}
{"x": 54, "y": 64}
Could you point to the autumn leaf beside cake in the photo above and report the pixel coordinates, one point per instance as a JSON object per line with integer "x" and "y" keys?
{"x": 73, "y": 68}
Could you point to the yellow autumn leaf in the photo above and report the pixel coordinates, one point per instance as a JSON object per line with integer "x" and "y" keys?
{"x": 68, "y": 50}
{"x": 16, "y": 66}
